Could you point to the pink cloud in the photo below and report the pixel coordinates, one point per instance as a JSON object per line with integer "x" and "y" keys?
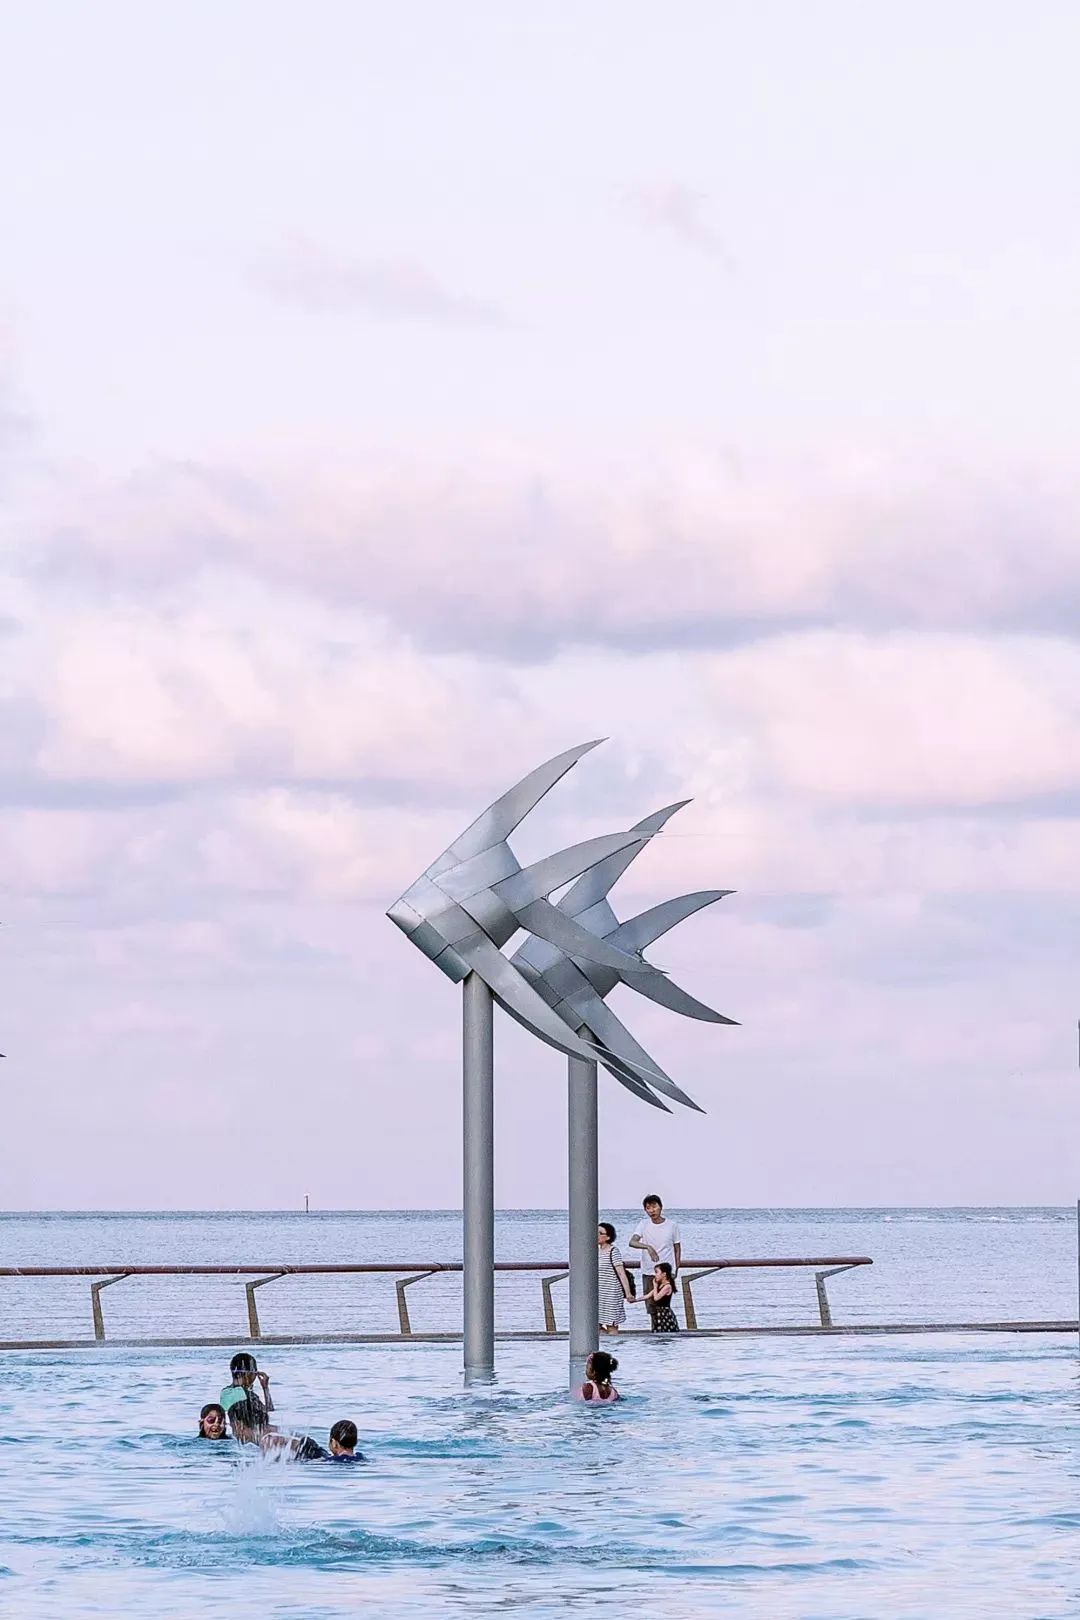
{"x": 144, "y": 695}
{"x": 520, "y": 556}
{"x": 312, "y": 278}
{"x": 907, "y": 719}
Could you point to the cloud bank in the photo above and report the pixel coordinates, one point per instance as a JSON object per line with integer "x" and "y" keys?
{"x": 693, "y": 551}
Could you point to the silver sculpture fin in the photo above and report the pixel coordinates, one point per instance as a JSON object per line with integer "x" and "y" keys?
{"x": 518, "y": 997}
{"x": 595, "y": 886}
{"x": 500, "y": 819}
{"x": 637, "y": 932}
{"x": 624, "y": 1049}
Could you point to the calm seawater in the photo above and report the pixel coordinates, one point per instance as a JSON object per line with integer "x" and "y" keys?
{"x": 817, "y": 1480}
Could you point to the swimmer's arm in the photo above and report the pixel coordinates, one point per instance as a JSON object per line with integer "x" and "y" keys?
{"x": 586, "y": 1392}
{"x": 271, "y": 1440}
{"x": 268, "y": 1399}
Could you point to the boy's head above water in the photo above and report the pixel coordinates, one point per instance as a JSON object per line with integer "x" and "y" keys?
{"x": 343, "y": 1438}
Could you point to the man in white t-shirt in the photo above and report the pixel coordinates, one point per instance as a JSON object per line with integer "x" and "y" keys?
{"x": 659, "y": 1239}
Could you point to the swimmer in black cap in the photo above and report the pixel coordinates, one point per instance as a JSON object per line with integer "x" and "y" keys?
{"x": 343, "y": 1442}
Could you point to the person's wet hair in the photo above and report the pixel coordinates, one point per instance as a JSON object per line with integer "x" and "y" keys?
{"x": 344, "y": 1432}
{"x": 606, "y": 1226}
{"x": 601, "y": 1366}
{"x": 243, "y": 1362}
{"x": 247, "y": 1414}
{"x": 211, "y": 1406}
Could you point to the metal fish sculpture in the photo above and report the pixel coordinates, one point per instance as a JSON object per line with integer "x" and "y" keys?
{"x": 476, "y": 896}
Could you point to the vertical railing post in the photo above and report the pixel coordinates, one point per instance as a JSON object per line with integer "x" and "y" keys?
{"x": 254, "y": 1328}
{"x": 404, "y": 1320}
{"x": 820, "y": 1277}
{"x": 688, "y": 1304}
{"x": 95, "y": 1303}
{"x": 550, "y": 1324}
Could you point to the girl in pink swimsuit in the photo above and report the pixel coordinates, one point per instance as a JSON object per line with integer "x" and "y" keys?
{"x": 598, "y": 1386}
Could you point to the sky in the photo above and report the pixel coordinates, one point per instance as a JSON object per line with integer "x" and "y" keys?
{"x": 391, "y": 397}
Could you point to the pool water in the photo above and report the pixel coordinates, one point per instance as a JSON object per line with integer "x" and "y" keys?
{"x": 821, "y": 1480}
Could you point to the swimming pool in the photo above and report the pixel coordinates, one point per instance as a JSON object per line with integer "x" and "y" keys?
{"x": 816, "y": 1480}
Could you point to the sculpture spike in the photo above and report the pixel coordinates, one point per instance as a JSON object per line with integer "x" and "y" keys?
{"x": 637, "y": 932}
{"x": 507, "y": 813}
{"x": 596, "y": 884}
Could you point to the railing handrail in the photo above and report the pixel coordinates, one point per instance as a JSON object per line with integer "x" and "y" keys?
{"x": 385, "y": 1266}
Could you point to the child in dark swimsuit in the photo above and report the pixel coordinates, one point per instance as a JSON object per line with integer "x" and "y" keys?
{"x": 661, "y": 1294}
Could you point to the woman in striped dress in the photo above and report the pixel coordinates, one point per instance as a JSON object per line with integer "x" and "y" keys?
{"x": 614, "y": 1288}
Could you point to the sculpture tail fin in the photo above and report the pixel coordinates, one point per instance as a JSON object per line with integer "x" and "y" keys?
{"x": 618, "y": 1045}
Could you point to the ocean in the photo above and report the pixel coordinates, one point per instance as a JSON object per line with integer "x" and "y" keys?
{"x": 821, "y": 1479}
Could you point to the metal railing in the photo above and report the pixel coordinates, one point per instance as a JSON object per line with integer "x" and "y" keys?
{"x": 405, "y": 1275}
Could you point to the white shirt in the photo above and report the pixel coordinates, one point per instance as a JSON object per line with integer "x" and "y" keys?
{"x": 661, "y": 1236}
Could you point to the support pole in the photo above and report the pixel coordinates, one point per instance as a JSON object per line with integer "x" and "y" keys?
{"x": 584, "y": 1215}
{"x": 478, "y": 1192}
{"x": 1078, "y": 1264}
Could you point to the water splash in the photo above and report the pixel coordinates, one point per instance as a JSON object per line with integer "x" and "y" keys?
{"x": 253, "y": 1500}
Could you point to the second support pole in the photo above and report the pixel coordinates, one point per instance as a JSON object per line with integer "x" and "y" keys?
{"x": 478, "y": 1191}
{"x": 584, "y": 1215}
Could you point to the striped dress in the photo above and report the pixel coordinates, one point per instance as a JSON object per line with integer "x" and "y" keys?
{"x": 612, "y": 1301}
